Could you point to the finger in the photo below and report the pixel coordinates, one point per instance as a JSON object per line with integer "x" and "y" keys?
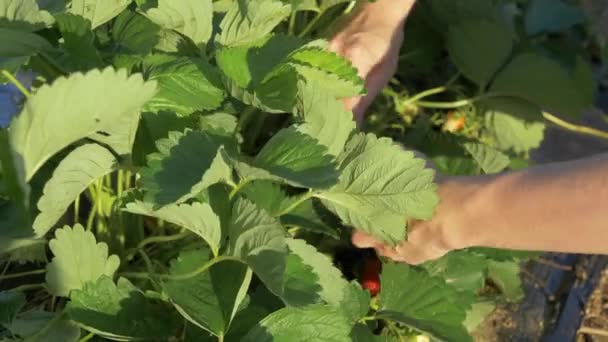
{"x": 362, "y": 240}
{"x": 405, "y": 253}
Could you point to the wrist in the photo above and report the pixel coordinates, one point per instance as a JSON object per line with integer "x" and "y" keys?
{"x": 462, "y": 211}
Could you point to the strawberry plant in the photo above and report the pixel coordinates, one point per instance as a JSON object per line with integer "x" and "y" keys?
{"x": 185, "y": 170}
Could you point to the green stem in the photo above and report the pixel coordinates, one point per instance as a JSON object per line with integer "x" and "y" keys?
{"x": 156, "y": 239}
{"x": 87, "y": 338}
{"x": 311, "y": 25}
{"x": 297, "y": 203}
{"x": 447, "y": 105}
{"x": 183, "y": 276}
{"x": 16, "y": 82}
{"x": 77, "y": 209}
{"x": 147, "y": 260}
{"x": 367, "y": 319}
{"x": 120, "y": 183}
{"x": 91, "y": 217}
{"x": 292, "y": 23}
{"x": 203, "y": 268}
{"x": 575, "y": 128}
{"x": 237, "y": 188}
{"x": 22, "y": 274}
{"x": 245, "y": 117}
{"x": 28, "y": 287}
{"x": 414, "y": 99}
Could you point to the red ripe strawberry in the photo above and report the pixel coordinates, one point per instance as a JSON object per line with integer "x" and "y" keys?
{"x": 370, "y": 277}
{"x": 371, "y": 284}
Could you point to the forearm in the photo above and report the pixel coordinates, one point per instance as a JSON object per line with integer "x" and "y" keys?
{"x": 559, "y": 207}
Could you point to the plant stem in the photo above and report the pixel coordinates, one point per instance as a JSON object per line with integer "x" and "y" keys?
{"x": 447, "y": 105}
{"x": 295, "y": 204}
{"x": 87, "y": 338}
{"x": 292, "y": 23}
{"x": 310, "y": 25}
{"x": 119, "y": 183}
{"x": 245, "y": 117}
{"x": 367, "y": 319}
{"x": 156, "y": 239}
{"x": 575, "y": 128}
{"x": 91, "y": 217}
{"x": 433, "y": 91}
{"x": 28, "y": 287}
{"x": 183, "y": 276}
{"x": 237, "y": 188}
{"x": 22, "y": 274}
{"x": 16, "y": 82}
{"x": 77, "y": 209}
{"x": 203, "y": 268}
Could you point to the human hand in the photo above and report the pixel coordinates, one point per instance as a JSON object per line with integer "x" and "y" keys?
{"x": 450, "y": 228}
{"x": 371, "y": 40}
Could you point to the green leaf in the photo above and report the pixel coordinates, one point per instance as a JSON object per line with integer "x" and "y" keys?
{"x": 326, "y": 4}
{"x": 512, "y": 133}
{"x": 331, "y": 282}
{"x": 78, "y": 259}
{"x": 186, "y": 164}
{"x": 121, "y": 312}
{"x": 98, "y": 11}
{"x": 515, "y": 106}
{"x": 300, "y": 283}
{"x": 250, "y": 20}
{"x": 10, "y": 304}
{"x": 312, "y": 323}
{"x": 355, "y": 302}
{"x": 289, "y": 157}
{"x": 13, "y": 179}
{"x": 192, "y": 18}
{"x": 268, "y": 196}
{"x": 251, "y": 64}
{"x": 552, "y": 16}
{"x": 545, "y": 83}
{"x": 308, "y": 216}
{"x": 78, "y": 41}
{"x": 23, "y": 15}
{"x": 297, "y": 158}
{"x": 381, "y": 182}
{"x": 325, "y": 118}
{"x": 462, "y": 270}
{"x": 15, "y": 233}
{"x": 312, "y": 216}
{"x": 362, "y": 333}
{"x": 198, "y": 218}
{"x": 211, "y": 299}
{"x": 244, "y": 320}
{"x": 46, "y": 126}
{"x": 505, "y": 274}
{"x": 479, "y": 48}
{"x": 325, "y": 68}
{"x": 489, "y": 159}
{"x": 477, "y": 314}
{"x": 42, "y": 326}
{"x": 219, "y": 123}
{"x": 73, "y": 175}
{"x": 422, "y": 302}
{"x": 15, "y": 43}
{"x": 303, "y": 5}
{"x": 259, "y": 240}
{"x": 135, "y": 33}
{"x": 186, "y": 85}
{"x": 255, "y": 75}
